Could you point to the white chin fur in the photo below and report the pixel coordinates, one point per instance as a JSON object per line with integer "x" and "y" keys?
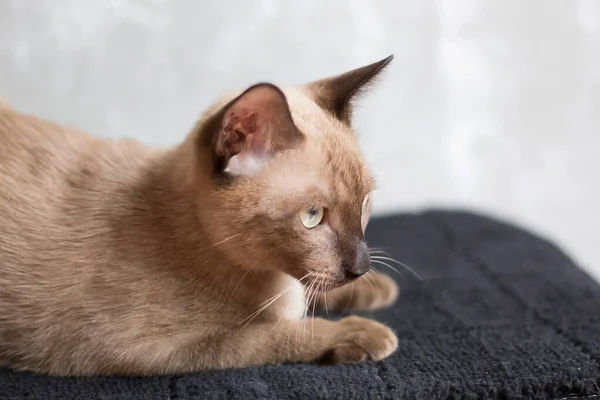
{"x": 292, "y": 304}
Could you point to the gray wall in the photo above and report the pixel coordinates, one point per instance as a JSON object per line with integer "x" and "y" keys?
{"x": 491, "y": 105}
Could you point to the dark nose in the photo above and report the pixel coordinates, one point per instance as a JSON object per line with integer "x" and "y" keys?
{"x": 360, "y": 263}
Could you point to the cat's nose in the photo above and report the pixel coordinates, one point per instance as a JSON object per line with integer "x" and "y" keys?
{"x": 360, "y": 264}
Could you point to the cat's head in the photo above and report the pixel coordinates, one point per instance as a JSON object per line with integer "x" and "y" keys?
{"x": 283, "y": 184}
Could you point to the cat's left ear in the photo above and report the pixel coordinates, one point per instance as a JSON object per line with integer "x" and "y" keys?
{"x": 336, "y": 94}
{"x": 248, "y": 131}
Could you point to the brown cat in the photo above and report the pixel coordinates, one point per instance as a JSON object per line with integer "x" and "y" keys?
{"x": 119, "y": 259}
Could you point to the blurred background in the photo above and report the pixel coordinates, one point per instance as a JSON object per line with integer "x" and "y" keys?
{"x": 491, "y": 106}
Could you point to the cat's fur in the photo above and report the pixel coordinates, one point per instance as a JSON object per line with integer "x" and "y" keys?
{"x": 120, "y": 259}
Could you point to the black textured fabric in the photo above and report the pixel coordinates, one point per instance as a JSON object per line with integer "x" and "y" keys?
{"x": 499, "y": 314}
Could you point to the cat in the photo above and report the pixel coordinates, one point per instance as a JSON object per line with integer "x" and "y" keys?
{"x": 118, "y": 259}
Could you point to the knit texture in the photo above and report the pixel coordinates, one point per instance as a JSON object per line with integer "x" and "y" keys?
{"x": 499, "y": 313}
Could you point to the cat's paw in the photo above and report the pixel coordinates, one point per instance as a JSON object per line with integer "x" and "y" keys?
{"x": 357, "y": 339}
{"x": 372, "y": 291}
{"x": 375, "y": 291}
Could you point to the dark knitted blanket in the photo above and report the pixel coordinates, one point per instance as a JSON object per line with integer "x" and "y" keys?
{"x": 499, "y": 313}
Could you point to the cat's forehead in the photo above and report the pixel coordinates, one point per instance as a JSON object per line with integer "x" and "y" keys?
{"x": 346, "y": 171}
{"x": 329, "y": 162}
{"x": 300, "y": 179}
{"x": 334, "y": 143}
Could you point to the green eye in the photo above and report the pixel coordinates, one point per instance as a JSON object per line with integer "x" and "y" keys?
{"x": 311, "y": 216}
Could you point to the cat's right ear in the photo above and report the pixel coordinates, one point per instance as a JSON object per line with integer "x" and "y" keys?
{"x": 245, "y": 134}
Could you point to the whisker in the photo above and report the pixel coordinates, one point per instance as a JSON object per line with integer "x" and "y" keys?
{"x": 390, "y": 259}
{"x": 312, "y": 297}
{"x": 309, "y": 290}
{"x": 389, "y": 266}
{"x": 305, "y": 314}
{"x": 325, "y": 300}
{"x": 370, "y": 280}
{"x": 313, "y": 319}
{"x": 373, "y": 281}
{"x": 280, "y": 318}
{"x": 288, "y": 338}
{"x": 287, "y": 341}
{"x": 305, "y": 326}
{"x": 251, "y": 317}
{"x": 378, "y": 253}
{"x": 349, "y": 300}
{"x": 284, "y": 312}
{"x": 265, "y": 304}
{"x": 223, "y": 241}
{"x": 243, "y": 276}
{"x": 375, "y": 250}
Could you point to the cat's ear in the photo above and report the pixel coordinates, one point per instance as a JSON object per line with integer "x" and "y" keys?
{"x": 336, "y": 94}
{"x": 250, "y": 129}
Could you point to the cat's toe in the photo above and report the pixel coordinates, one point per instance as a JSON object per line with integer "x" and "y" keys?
{"x": 359, "y": 339}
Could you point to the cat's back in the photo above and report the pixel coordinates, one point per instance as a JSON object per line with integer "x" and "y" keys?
{"x": 56, "y": 183}
{"x": 32, "y": 150}
{"x": 37, "y": 156}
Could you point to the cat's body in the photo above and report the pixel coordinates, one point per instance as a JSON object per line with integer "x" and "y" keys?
{"x": 120, "y": 259}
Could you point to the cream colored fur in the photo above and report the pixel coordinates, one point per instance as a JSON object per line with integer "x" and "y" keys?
{"x": 121, "y": 259}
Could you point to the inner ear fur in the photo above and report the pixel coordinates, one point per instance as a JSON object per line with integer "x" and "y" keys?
{"x": 256, "y": 124}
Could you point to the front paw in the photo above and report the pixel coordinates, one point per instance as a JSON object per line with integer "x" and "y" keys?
{"x": 376, "y": 291}
{"x": 356, "y": 339}
{"x": 372, "y": 291}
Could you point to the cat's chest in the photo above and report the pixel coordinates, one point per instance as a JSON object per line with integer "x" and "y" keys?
{"x": 292, "y": 302}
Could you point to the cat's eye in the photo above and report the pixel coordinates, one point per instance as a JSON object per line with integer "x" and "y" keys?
{"x": 311, "y": 216}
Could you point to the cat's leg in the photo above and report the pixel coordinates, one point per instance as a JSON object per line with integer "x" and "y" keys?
{"x": 372, "y": 291}
{"x": 315, "y": 340}
{"x": 351, "y": 339}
